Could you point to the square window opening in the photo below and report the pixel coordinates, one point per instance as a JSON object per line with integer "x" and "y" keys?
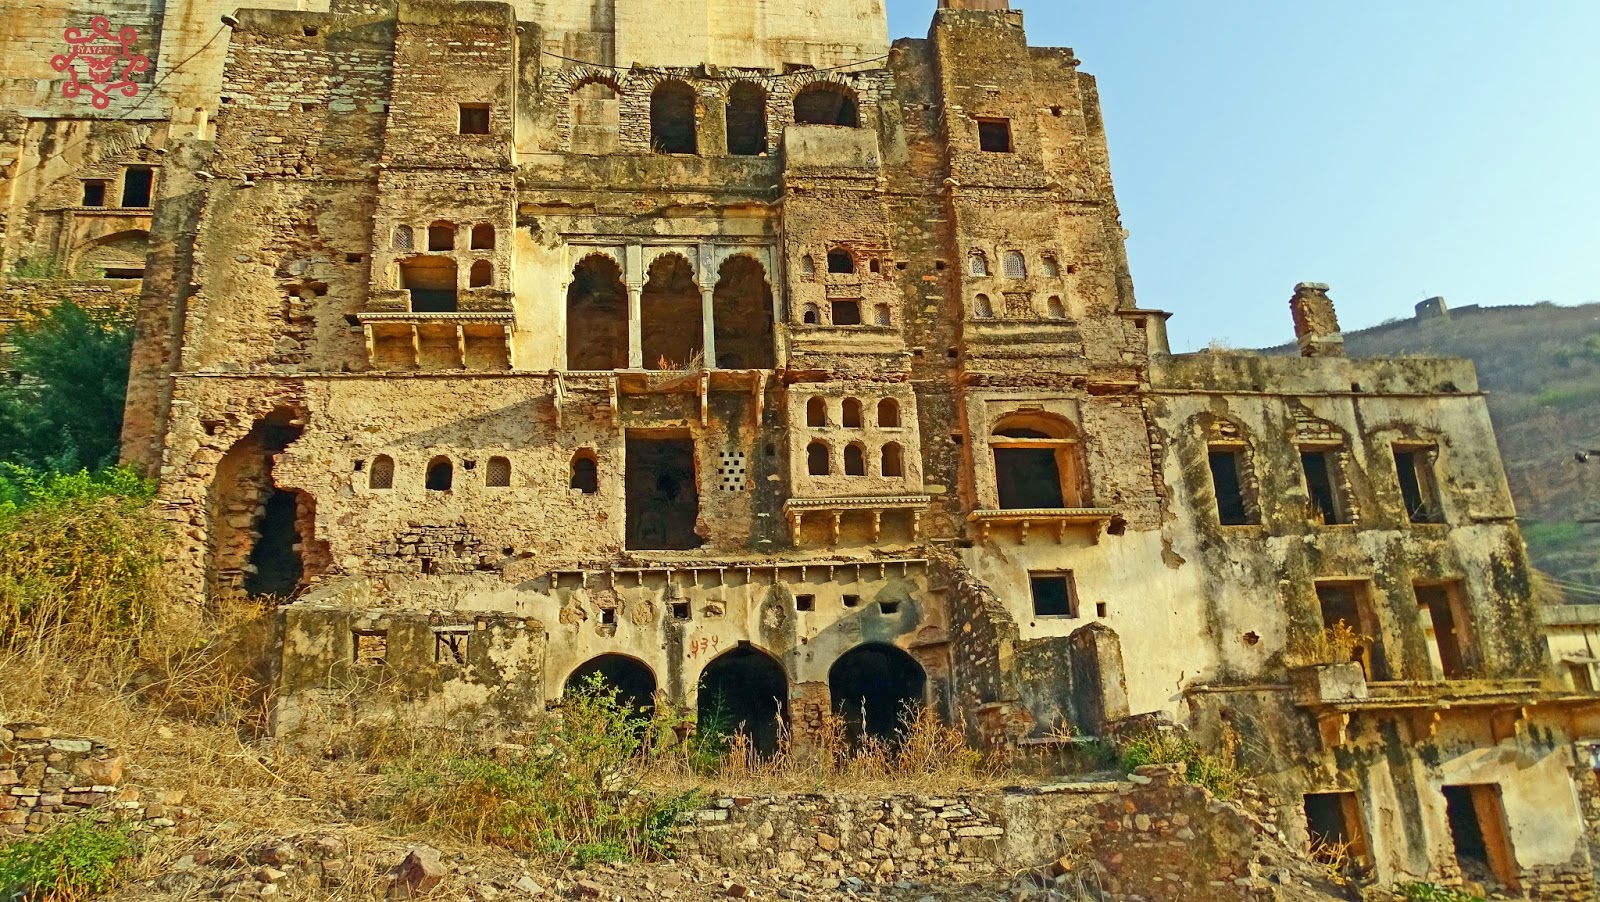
{"x": 137, "y": 183}
{"x": 1334, "y": 827}
{"x": 994, "y": 135}
{"x": 847, "y": 313}
{"x": 474, "y": 119}
{"x": 805, "y": 602}
{"x": 889, "y": 607}
{"x": 94, "y": 194}
{"x": 450, "y": 647}
{"x": 852, "y": 601}
{"x": 681, "y": 611}
{"x": 371, "y": 646}
{"x": 1053, "y": 595}
{"x": 608, "y": 616}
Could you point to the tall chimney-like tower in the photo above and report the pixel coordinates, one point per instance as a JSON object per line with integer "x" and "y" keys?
{"x": 1316, "y": 325}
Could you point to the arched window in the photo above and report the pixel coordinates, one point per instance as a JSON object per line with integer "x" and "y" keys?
{"x": 481, "y": 274}
{"x": 893, "y": 461}
{"x": 812, "y": 316}
{"x": 672, "y": 118}
{"x": 816, "y": 412}
{"x": 808, "y": 265}
{"x": 817, "y": 459}
{"x": 978, "y": 263}
{"x": 741, "y": 315}
{"x": 498, "y": 473}
{"x": 855, "y": 459}
{"x": 1014, "y": 265}
{"x": 1051, "y": 266}
{"x": 441, "y": 475}
{"x": 442, "y": 236}
{"x": 840, "y": 261}
{"x": 852, "y": 414}
{"x": 402, "y": 240}
{"x": 1036, "y": 463}
{"x": 888, "y": 414}
{"x": 1057, "y": 309}
{"x": 982, "y": 307}
{"x": 585, "y": 473}
{"x": 597, "y": 316}
{"x": 483, "y": 237}
{"x": 672, "y": 315}
{"x": 826, "y": 103}
{"x": 747, "y": 120}
{"x": 881, "y": 315}
{"x": 596, "y": 118}
{"x": 381, "y": 475}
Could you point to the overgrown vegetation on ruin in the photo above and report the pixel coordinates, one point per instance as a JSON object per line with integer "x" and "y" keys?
{"x": 1218, "y": 771}
{"x": 1432, "y": 892}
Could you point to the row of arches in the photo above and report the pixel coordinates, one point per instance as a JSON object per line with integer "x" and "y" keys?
{"x": 439, "y": 476}
{"x": 672, "y": 314}
{"x": 1019, "y": 307}
{"x": 850, "y": 411}
{"x": 441, "y": 236}
{"x": 1013, "y": 265}
{"x": 675, "y": 105}
{"x": 871, "y": 688}
{"x": 820, "y": 462}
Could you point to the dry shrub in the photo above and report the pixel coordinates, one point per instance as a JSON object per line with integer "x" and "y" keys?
{"x": 1335, "y": 644}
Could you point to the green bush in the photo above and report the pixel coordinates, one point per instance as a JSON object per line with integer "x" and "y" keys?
{"x": 66, "y": 412}
{"x": 572, "y": 794}
{"x": 81, "y": 560}
{"x": 76, "y": 859}
{"x": 1219, "y": 773}
{"x": 1432, "y": 892}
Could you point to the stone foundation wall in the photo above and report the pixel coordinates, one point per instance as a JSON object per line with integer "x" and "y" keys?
{"x": 46, "y": 778}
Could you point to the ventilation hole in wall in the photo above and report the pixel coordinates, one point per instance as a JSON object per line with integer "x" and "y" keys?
{"x": 939, "y": 265}
{"x": 681, "y": 611}
{"x": 469, "y": 465}
{"x": 1251, "y": 638}
{"x": 1117, "y": 526}
{"x": 901, "y": 264}
{"x": 1055, "y": 111}
{"x": 360, "y": 465}
{"x": 508, "y": 551}
{"x": 310, "y": 31}
{"x": 371, "y": 646}
{"x": 957, "y": 438}
{"x": 889, "y": 607}
{"x": 429, "y": 568}
{"x": 805, "y": 602}
{"x": 732, "y": 472}
{"x": 771, "y": 450}
{"x": 1100, "y": 609}
{"x": 450, "y": 647}
{"x": 951, "y": 353}
{"x": 852, "y": 601}
{"x": 1355, "y": 387}
{"x": 608, "y": 616}
{"x": 354, "y": 258}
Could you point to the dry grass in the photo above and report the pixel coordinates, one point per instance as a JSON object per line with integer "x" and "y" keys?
{"x": 1336, "y": 644}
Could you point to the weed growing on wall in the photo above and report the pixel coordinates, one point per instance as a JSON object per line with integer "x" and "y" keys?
{"x": 76, "y": 859}
{"x": 1432, "y": 892}
{"x": 1219, "y": 773}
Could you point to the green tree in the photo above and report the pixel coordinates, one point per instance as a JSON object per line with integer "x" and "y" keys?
{"x": 65, "y": 413}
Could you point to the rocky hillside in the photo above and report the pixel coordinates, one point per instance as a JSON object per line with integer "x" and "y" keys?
{"x": 1540, "y": 365}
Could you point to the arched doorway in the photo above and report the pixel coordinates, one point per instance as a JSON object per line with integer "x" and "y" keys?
{"x": 746, "y": 689}
{"x": 742, "y": 315}
{"x": 872, "y": 686}
{"x": 670, "y": 309}
{"x": 634, "y": 682}
{"x": 597, "y": 316}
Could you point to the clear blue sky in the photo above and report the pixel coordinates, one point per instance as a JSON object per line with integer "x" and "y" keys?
{"x": 1396, "y": 150}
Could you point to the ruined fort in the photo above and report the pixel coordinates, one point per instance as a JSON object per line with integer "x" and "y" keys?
{"x": 760, "y": 365}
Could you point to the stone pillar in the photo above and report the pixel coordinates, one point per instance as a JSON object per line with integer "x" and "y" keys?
{"x": 634, "y": 274}
{"x": 708, "y": 330}
{"x": 1316, "y": 325}
{"x": 1099, "y": 683}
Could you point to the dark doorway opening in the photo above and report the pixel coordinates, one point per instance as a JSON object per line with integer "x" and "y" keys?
{"x": 672, "y": 119}
{"x": 663, "y": 496}
{"x": 275, "y": 563}
{"x": 432, "y": 283}
{"x": 745, "y": 690}
{"x": 741, "y": 307}
{"x": 747, "y": 120}
{"x": 137, "y": 183}
{"x": 1029, "y": 478}
{"x": 1481, "y": 835}
{"x": 597, "y": 316}
{"x": 671, "y": 317}
{"x": 876, "y": 689}
{"x": 1333, "y": 825}
{"x": 634, "y": 683}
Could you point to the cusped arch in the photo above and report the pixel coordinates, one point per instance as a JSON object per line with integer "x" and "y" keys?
{"x": 671, "y": 314}
{"x": 597, "y": 314}
{"x": 742, "y": 317}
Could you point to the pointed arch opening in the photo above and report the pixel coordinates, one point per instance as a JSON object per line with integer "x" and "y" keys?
{"x": 876, "y": 690}
{"x": 597, "y": 316}
{"x": 818, "y": 460}
{"x": 632, "y": 681}
{"x": 440, "y": 476}
{"x": 827, "y": 103}
{"x": 893, "y": 461}
{"x": 672, "y": 118}
{"x": 747, "y": 120}
{"x": 671, "y": 316}
{"x": 745, "y": 690}
{"x": 741, "y": 313}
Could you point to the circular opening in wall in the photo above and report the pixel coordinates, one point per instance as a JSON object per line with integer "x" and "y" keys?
{"x": 1251, "y": 638}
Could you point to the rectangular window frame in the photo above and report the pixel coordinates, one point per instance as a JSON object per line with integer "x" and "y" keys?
{"x": 474, "y": 118}
{"x": 995, "y": 135}
{"x": 1326, "y": 504}
{"x": 1416, "y": 470}
{"x": 95, "y": 192}
{"x": 1370, "y": 654}
{"x": 137, "y": 196}
{"x": 1351, "y": 837}
{"x": 1232, "y": 503}
{"x": 1073, "y": 605}
{"x": 1456, "y": 660}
